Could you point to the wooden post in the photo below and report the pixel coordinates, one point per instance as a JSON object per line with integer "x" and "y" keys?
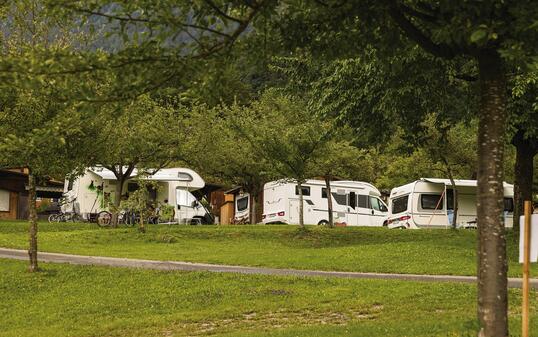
{"x": 526, "y": 258}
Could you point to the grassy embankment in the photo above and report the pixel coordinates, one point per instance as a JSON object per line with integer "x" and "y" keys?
{"x": 66, "y": 300}
{"x": 345, "y": 249}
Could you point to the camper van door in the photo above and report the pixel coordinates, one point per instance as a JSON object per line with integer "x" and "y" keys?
{"x": 378, "y": 211}
{"x": 294, "y": 212}
{"x": 185, "y": 205}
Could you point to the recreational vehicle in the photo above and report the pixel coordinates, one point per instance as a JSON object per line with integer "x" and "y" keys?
{"x": 89, "y": 191}
{"x": 429, "y": 202}
{"x": 354, "y": 203}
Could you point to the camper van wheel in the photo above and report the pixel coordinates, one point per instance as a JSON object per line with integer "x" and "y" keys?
{"x": 385, "y": 223}
{"x": 323, "y": 223}
{"x": 104, "y": 218}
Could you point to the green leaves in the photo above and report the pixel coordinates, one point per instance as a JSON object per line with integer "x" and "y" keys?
{"x": 479, "y": 36}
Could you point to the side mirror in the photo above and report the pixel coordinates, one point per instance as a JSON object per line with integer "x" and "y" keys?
{"x": 195, "y": 204}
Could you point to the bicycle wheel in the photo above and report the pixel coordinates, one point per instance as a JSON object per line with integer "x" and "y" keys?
{"x": 104, "y": 219}
{"x": 53, "y": 218}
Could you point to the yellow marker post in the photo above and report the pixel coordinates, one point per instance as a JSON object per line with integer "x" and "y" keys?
{"x": 526, "y": 259}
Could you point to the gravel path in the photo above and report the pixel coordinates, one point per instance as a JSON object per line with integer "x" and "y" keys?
{"x": 18, "y": 254}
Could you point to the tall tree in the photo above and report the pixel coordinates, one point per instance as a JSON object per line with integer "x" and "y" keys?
{"x": 490, "y": 34}
{"x": 281, "y": 130}
{"x": 216, "y": 150}
{"x": 523, "y": 106}
{"x": 41, "y": 131}
{"x": 134, "y": 134}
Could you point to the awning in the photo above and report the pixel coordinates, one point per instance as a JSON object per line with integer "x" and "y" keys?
{"x": 458, "y": 182}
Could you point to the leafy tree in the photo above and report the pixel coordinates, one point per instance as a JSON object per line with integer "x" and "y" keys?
{"x": 523, "y": 106}
{"x": 40, "y": 131}
{"x": 138, "y": 134}
{"x": 139, "y": 200}
{"x": 488, "y": 34}
{"x": 338, "y": 158}
{"x": 217, "y": 150}
{"x": 281, "y": 130}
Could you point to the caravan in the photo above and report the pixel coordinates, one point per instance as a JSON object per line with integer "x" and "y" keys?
{"x": 89, "y": 193}
{"x": 355, "y": 203}
{"x": 428, "y": 202}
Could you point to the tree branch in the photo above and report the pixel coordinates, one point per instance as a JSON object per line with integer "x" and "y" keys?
{"x": 415, "y": 34}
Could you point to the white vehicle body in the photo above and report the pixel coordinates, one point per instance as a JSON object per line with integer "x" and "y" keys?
{"x": 428, "y": 202}
{"x": 176, "y": 185}
{"x": 242, "y": 207}
{"x": 355, "y": 203}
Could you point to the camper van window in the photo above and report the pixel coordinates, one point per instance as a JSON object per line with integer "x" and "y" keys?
{"x": 341, "y": 199}
{"x": 431, "y": 201}
{"x": 374, "y": 202}
{"x": 449, "y": 199}
{"x": 352, "y": 199}
{"x": 306, "y": 190}
{"x": 399, "y": 205}
{"x": 324, "y": 193}
{"x": 184, "y": 198}
{"x": 508, "y": 205}
{"x": 242, "y": 204}
{"x": 362, "y": 201}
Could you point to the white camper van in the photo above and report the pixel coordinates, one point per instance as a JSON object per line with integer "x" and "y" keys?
{"x": 428, "y": 202}
{"x": 87, "y": 192}
{"x": 355, "y": 203}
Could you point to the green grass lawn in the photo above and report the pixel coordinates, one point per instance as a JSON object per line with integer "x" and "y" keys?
{"x": 66, "y": 300}
{"x": 435, "y": 251}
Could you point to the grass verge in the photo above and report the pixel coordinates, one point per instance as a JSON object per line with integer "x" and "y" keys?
{"x": 434, "y": 251}
{"x": 66, "y": 300}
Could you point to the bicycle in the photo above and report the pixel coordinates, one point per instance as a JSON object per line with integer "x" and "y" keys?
{"x": 72, "y": 215}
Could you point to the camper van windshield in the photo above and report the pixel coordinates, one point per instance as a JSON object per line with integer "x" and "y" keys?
{"x": 399, "y": 205}
{"x": 184, "y": 198}
{"x": 242, "y": 204}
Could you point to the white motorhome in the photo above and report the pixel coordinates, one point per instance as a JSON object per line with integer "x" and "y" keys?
{"x": 355, "y": 203}
{"x": 428, "y": 202}
{"x": 176, "y": 185}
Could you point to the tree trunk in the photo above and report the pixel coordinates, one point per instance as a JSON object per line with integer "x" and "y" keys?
{"x": 117, "y": 200}
{"x": 301, "y": 208}
{"x": 523, "y": 174}
{"x": 32, "y": 232}
{"x": 329, "y": 200}
{"x": 141, "y": 226}
{"x": 253, "y": 208}
{"x": 492, "y": 266}
{"x": 454, "y": 199}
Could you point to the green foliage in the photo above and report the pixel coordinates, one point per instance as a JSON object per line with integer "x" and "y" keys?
{"x": 216, "y": 150}
{"x": 39, "y": 128}
{"x": 283, "y": 131}
{"x": 142, "y": 133}
{"x": 139, "y": 201}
